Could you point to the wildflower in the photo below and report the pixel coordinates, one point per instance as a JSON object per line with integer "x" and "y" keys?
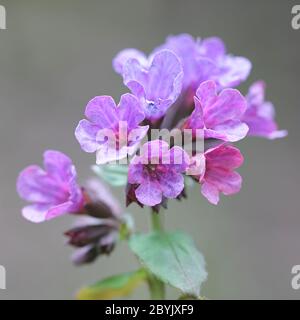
{"x": 216, "y": 172}
{"x": 97, "y": 233}
{"x": 156, "y": 83}
{"x": 260, "y": 114}
{"x": 53, "y": 191}
{"x": 113, "y": 131}
{"x": 218, "y": 115}
{"x": 157, "y": 172}
{"x": 207, "y": 60}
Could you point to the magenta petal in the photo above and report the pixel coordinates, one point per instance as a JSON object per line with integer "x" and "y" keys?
{"x": 260, "y": 114}
{"x": 229, "y": 105}
{"x": 210, "y": 192}
{"x": 227, "y": 182}
{"x": 59, "y": 210}
{"x": 224, "y": 156}
{"x": 86, "y": 134}
{"x": 149, "y": 193}
{"x": 102, "y": 111}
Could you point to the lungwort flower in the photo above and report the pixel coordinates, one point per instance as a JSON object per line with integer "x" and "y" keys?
{"x": 157, "y": 173}
{"x": 53, "y": 191}
{"x": 156, "y": 81}
{"x": 112, "y": 131}
{"x": 216, "y": 171}
{"x": 207, "y": 59}
{"x": 260, "y": 114}
{"x": 219, "y": 116}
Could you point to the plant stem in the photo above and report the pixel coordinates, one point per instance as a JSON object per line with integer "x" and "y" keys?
{"x": 156, "y": 287}
{"x": 156, "y": 222}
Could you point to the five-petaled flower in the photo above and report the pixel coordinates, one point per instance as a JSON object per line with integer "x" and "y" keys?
{"x": 260, "y": 114}
{"x": 157, "y": 82}
{"x": 111, "y": 131}
{"x": 216, "y": 172}
{"x": 157, "y": 172}
{"x": 219, "y": 116}
{"x": 207, "y": 59}
{"x": 53, "y": 191}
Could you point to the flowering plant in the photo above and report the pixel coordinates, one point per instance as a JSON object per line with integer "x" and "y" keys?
{"x": 176, "y": 126}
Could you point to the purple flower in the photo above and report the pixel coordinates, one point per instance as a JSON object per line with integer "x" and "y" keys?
{"x": 113, "y": 131}
{"x": 207, "y": 60}
{"x": 157, "y": 172}
{"x": 216, "y": 172}
{"x": 157, "y": 82}
{"x": 260, "y": 114}
{"x": 52, "y": 190}
{"x": 219, "y": 116}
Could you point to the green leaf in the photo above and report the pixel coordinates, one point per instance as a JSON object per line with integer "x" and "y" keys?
{"x": 173, "y": 258}
{"x": 115, "y": 175}
{"x": 115, "y": 286}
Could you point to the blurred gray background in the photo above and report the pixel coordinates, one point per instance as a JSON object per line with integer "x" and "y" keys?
{"x": 56, "y": 55}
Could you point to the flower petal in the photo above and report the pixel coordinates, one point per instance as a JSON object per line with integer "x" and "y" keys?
{"x": 59, "y": 210}
{"x": 102, "y": 111}
{"x": 171, "y": 184}
{"x": 234, "y": 70}
{"x": 232, "y": 130}
{"x": 58, "y": 164}
{"x": 35, "y": 213}
{"x": 86, "y": 135}
{"x": 130, "y": 110}
{"x": 122, "y": 57}
{"x": 210, "y": 192}
{"x": 164, "y": 70}
{"x": 149, "y": 193}
{"x": 229, "y": 105}
{"x": 35, "y": 185}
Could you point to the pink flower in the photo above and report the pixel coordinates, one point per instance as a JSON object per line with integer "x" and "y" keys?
{"x": 157, "y": 172}
{"x": 260, "y": 114}
{"x": 218, "y": 115}
{"x": 53, "y": 191}
{"x": 216, "y": 172}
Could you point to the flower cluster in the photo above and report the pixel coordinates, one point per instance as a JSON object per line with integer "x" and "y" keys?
{"x": 185, "y": 84}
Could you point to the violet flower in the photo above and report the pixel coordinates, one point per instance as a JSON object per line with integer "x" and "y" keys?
{"x": 53, "y": 191}
{"x": 157, "y": 172}
{"x": 156, "y": 83}
{"x": 219, "y": 116}
{"x": 207, "y": 59}
{"x": 260, "y": 114}
{"x": 111, "y": 131}
{"x": 217, "y": 171}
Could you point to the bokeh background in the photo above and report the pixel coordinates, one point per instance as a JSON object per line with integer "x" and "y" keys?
{"x": 56, "y": 55}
